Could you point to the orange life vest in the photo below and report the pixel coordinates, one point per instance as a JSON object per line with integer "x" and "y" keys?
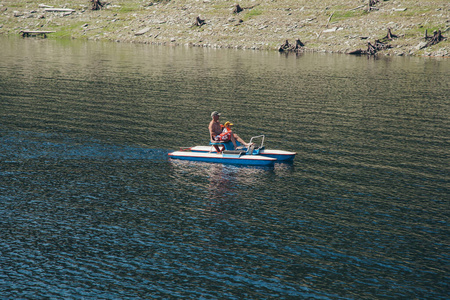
{"x": 226, "y": 134}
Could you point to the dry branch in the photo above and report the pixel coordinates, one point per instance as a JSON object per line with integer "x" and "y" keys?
{"x": 329, "y": 19}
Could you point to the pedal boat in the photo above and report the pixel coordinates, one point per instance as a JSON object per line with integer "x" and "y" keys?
{"x": 255, "y": 155}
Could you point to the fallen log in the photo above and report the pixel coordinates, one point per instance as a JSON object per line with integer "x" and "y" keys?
{"x": 143, "y": 31}
{"x": 357, "y": 52}
{"x": 378, "y": 45}
{"x": 52, "y": 9}
{"x": 26, "y": 33}
{"x": 372, "y": 49}
{"x": 357, "y": 7}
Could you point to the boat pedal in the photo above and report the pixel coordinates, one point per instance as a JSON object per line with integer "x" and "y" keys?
{"x": 250, "y": 149}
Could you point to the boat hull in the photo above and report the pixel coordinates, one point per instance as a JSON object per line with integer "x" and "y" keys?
{"x": 212, "y": 157}
{"x": 279, "y": 155}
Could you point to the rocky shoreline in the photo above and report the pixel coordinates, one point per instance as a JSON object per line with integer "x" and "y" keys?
{"x": 322, "y": 26}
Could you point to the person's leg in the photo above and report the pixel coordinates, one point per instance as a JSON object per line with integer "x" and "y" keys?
{"x": 236, "y": 137}
{"x": 233, "y": 140}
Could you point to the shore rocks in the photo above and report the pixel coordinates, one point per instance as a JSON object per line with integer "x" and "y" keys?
{"x": 325, "y": 26}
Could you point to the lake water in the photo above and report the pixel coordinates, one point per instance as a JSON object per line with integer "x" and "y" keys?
{"x": 91, "y": 206}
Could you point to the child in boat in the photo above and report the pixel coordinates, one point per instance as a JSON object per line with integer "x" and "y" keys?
{"x": 225, "y": 136}
{"x": 227, "y": 127}
{"x": 227, "y": 131}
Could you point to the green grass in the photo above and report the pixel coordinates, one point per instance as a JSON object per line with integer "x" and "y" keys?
{"x": 65, "y": 31}
{"x": 126, "y": 7}
{"x": 420, "y": 30}
{"x": 61, "y": 33}
{"x": 413, "y": 12}
{"x": 252, "y": 13}
{"x": 342, "y": 15}
{"x": 16, "y": 5}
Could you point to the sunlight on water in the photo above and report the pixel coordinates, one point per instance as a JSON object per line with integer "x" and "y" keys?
{"x": 92, "y": 207}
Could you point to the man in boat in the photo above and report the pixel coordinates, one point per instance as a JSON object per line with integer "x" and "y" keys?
{"x": 216, "y": 131}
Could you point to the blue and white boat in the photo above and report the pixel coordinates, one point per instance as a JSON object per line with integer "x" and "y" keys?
{"x": 255, "y": 155}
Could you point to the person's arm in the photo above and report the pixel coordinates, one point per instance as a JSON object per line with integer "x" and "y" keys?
{"x": 211, "y": 132}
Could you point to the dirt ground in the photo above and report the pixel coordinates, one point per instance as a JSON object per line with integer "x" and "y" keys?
{"x": 321, "y": 25}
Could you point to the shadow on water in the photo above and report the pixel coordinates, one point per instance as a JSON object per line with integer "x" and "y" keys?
{"x": 31, "y": 145}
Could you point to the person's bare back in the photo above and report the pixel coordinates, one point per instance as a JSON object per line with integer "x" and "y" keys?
{"x": 214, "y": 126}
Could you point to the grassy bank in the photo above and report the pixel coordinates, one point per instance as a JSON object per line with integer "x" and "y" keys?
{"x": 323, "y": 26}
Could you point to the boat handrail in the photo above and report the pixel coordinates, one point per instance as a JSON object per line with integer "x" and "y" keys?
{"x": 258, "y": 136}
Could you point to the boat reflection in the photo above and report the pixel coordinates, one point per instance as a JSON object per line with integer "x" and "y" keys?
{"x": 222, "y": 183}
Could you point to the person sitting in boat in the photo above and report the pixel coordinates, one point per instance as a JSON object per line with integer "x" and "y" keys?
{"x": 220, "y": 133}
